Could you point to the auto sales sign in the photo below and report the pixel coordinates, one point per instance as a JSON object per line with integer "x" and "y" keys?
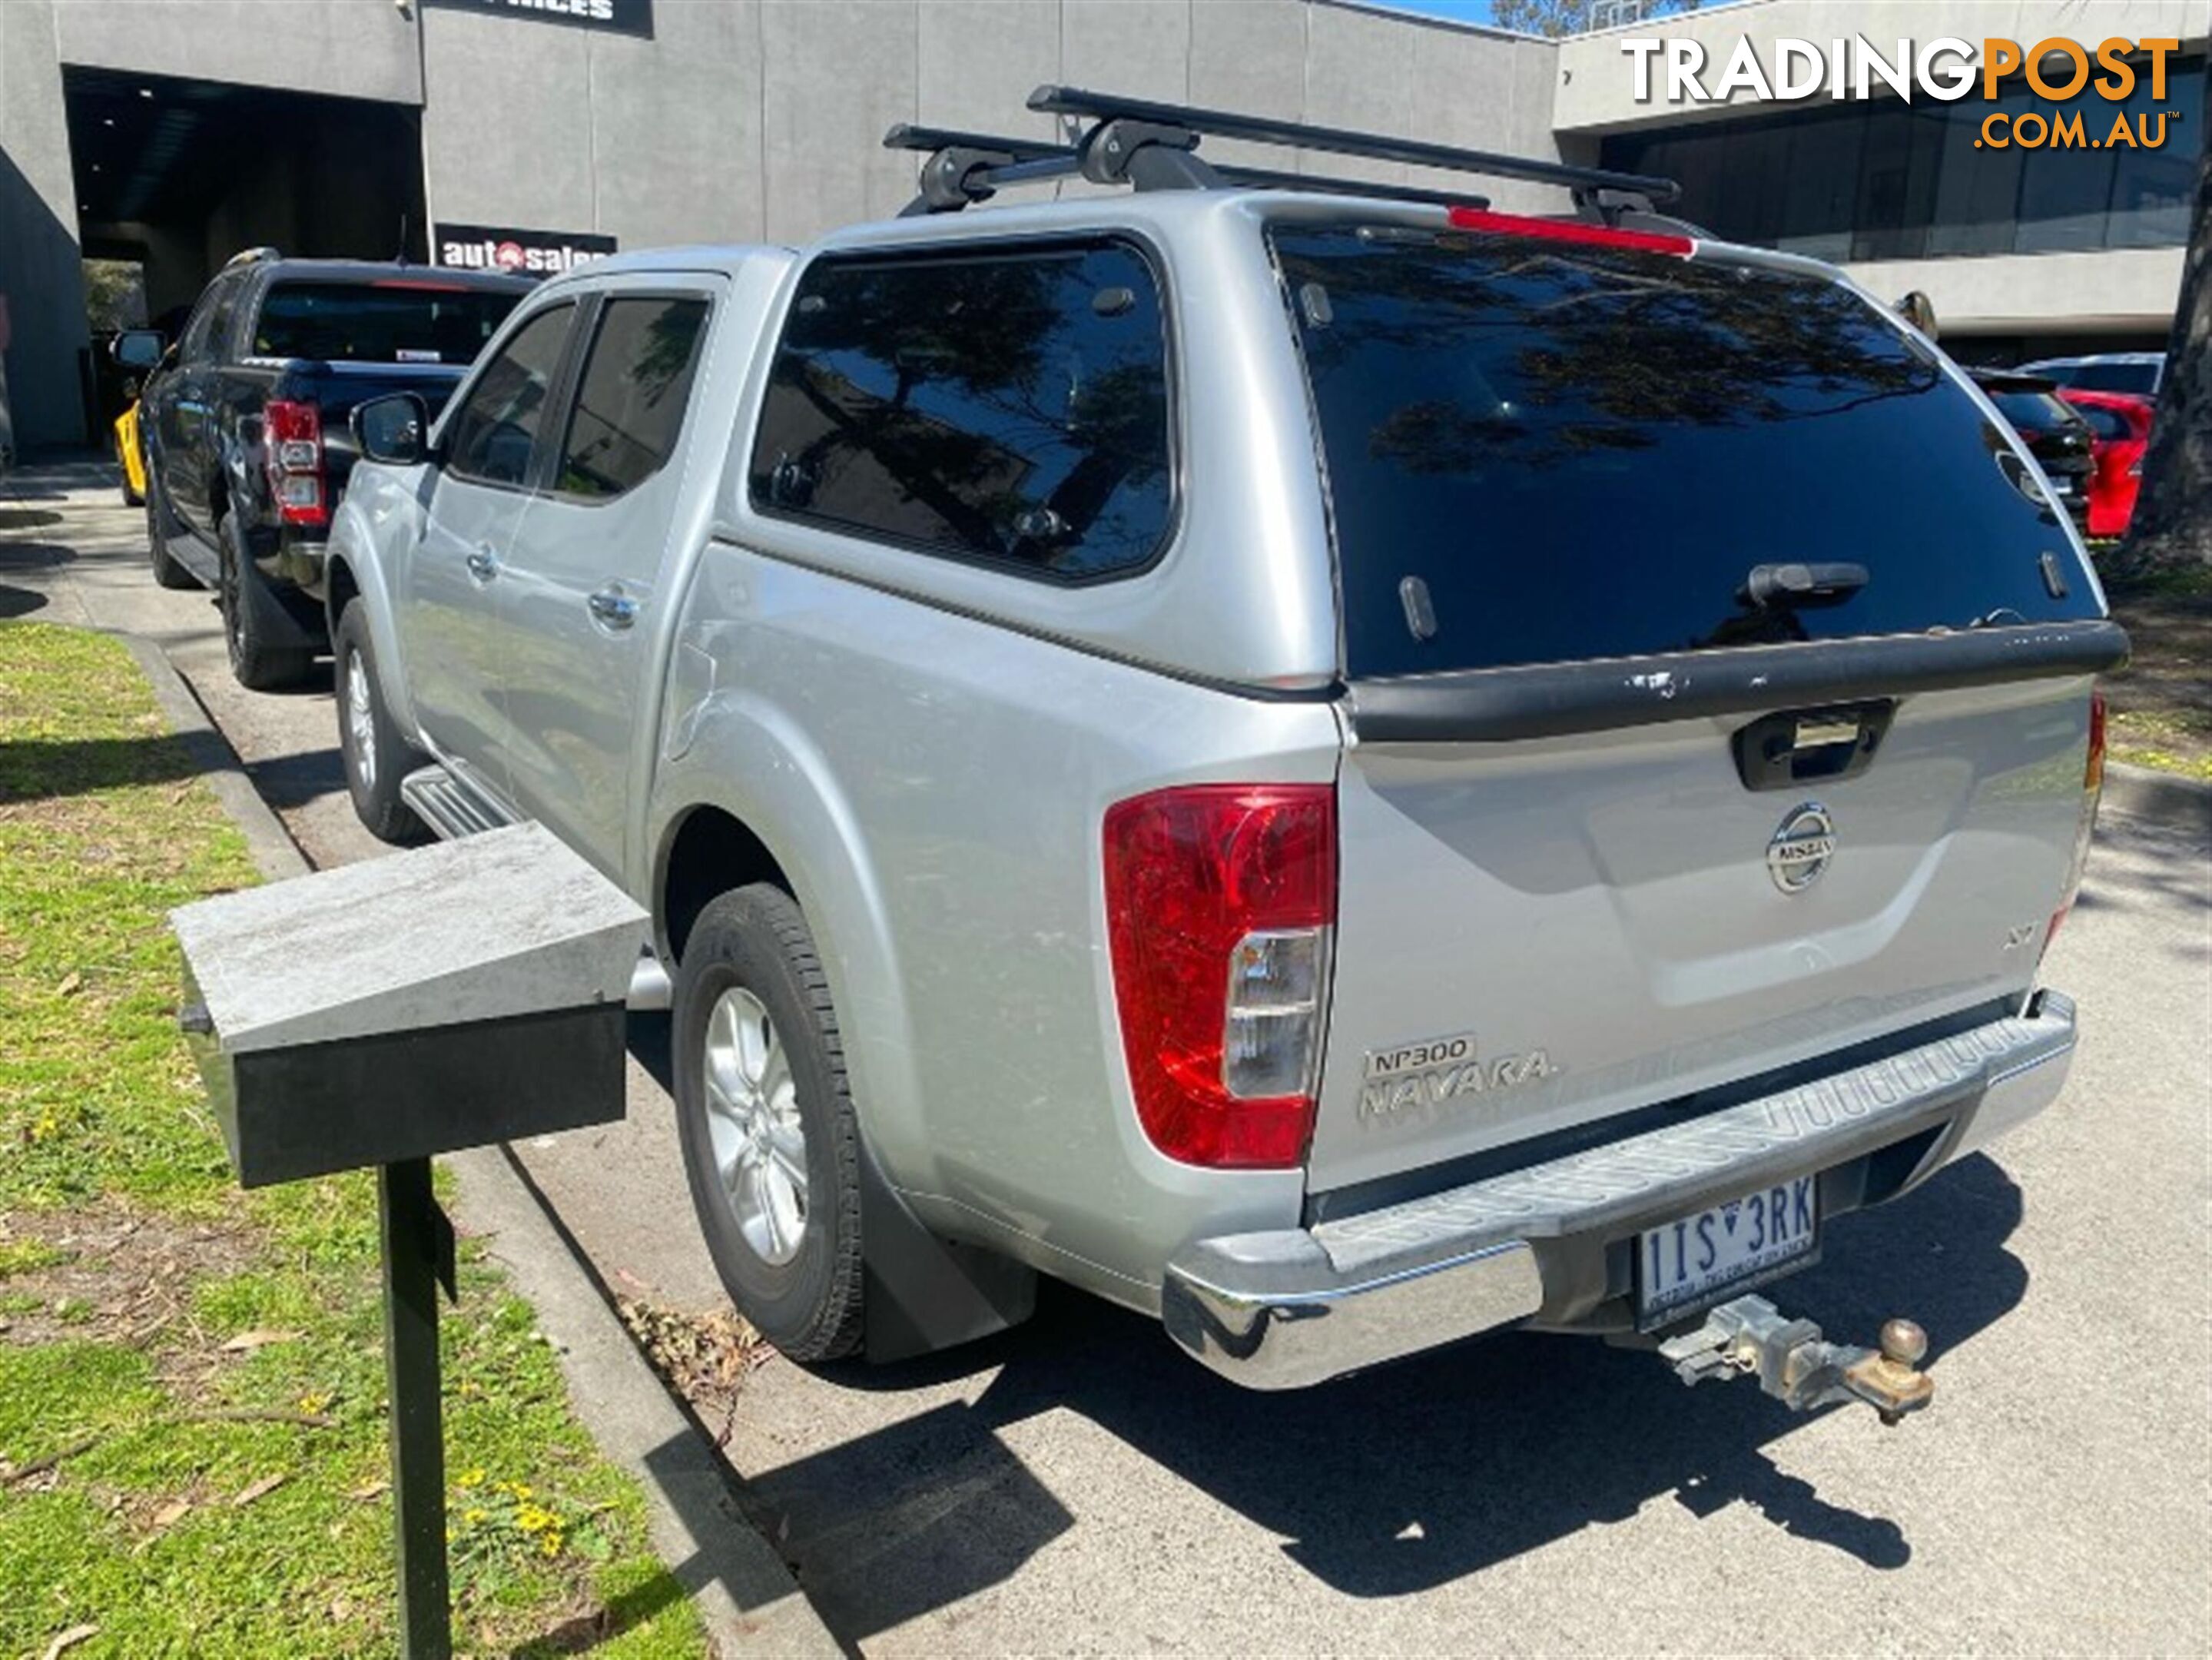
{"x": 518, "y": 252}
{"x": 607, "y": 16}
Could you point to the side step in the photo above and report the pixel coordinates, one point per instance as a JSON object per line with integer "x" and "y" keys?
{"x": 453, "y": 810}
{"x": 449, "y": 807}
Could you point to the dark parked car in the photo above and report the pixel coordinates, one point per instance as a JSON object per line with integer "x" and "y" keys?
{"x": 244, "y": 427}
{"x": 2139, "y": 374}
{"x": 2055, "y": 433}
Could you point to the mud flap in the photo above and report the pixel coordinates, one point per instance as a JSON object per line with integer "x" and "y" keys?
{"x": 925, "y": 1294}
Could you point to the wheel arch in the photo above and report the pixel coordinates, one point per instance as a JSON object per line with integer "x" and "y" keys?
{"x": 924, "y": 1292}
{"x": 353, "y": 575}
{"x": 798, "y": 833}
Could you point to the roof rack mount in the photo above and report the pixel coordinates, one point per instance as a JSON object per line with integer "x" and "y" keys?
{"x": 1152, "y": 146}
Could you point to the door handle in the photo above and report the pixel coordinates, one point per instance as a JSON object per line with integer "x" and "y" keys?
{"x": 484, "y": 563}
{"x": 613, "y": 608}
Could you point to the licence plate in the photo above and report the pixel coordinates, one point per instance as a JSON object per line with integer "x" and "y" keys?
{"x": 1682, "y": 1263}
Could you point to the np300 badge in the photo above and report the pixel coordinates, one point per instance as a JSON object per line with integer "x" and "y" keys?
{"x": 1801, "y": 850}
{"x": 1441, "y": 1069}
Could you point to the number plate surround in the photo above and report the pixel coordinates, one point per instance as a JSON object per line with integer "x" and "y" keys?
{"x": 1735, "y": 1264}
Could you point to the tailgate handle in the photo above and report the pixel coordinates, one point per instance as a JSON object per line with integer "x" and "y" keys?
{"x": 1791, "y": 747}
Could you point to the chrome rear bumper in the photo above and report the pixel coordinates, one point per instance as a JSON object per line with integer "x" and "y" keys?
{"x": 1285, "y": 1309}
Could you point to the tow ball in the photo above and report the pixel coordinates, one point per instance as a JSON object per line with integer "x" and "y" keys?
{"x": 1794, "y": 1364}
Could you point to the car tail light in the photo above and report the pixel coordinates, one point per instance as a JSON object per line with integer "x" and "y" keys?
{"x": 1568, "y": 230}
{"x": 292, "y": 443}
{"x": 1220, "y": 905}
{"x": 2092, "y": 790}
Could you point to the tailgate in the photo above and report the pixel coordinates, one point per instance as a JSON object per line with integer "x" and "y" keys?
{"x": 1534, "y": 934}
{"x": 1717, "y": 676}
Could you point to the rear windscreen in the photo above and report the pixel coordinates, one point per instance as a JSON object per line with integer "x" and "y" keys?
{"x": 1540, "y": 451}
{"x": 2034, "y": 413}
{"x": 397, "y": 322}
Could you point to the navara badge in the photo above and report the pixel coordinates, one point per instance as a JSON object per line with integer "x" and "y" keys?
{"x": 1801, "y": 850}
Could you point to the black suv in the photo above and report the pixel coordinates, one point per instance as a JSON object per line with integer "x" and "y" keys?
{"x": 2055, "y": 432}
{"x": 244, "y": 427}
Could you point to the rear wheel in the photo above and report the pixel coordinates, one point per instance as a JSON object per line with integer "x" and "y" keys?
{"x": 250, "y": 622}
{"x": 771, "y": 1145}
{"x": 160, "y": 527}
{"x": 376, "y": 757}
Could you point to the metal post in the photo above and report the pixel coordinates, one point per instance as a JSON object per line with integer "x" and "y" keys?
{"x": 412, "y": 1226}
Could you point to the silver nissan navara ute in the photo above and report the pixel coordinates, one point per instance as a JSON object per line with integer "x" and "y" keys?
{"x": 1336, "y": 766}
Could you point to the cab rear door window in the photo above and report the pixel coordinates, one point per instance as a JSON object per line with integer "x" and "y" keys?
{"x": 1005, "y": 406}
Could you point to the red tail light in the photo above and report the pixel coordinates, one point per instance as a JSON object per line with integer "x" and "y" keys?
{"x": 2093, "y": 790}
{"x": 292, "y": 447}
{"x": 1220, "y": 901}
{"x": 1568, "y": 230}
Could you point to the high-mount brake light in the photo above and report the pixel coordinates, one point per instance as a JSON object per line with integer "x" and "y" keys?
{"x": 2092, "y": 790}
{"x": 292, "y": 446}
{"x": 1566, "y": 230}
{"x": 1220, "y": 905}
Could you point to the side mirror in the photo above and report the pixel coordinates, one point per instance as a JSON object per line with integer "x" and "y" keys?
{"x": 1918, "y": 309}
{"x": 394, "y": 429}
{"x": 137, "y": 349}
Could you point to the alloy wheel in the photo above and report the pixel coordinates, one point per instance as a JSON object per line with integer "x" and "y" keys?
{"x": 759, "y": 1141}
{"x": 360, "y": 720}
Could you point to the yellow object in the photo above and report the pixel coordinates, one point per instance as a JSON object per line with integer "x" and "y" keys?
{"x": 127, "y": 452}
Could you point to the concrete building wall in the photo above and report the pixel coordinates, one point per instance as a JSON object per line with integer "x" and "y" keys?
{"x": 762, "y": 120}
{"x": 40, "y": 272}
{"x": 355, "y": 48}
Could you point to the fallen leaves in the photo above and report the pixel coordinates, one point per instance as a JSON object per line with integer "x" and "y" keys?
{"x": 247, "y": 1341}
{"x": 265, "y": 1486}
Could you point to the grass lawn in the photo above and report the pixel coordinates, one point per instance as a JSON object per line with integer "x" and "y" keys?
{"x": 192, "y": 1450}
{"x": 2161, "y": 703}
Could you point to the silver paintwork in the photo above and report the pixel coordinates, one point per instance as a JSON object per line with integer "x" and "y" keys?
{"x": 1297, "y": 1306}
{"x": 926, "y": 750}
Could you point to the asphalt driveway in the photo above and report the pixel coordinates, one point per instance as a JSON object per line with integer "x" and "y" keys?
{"x": 1077, "y": 1487}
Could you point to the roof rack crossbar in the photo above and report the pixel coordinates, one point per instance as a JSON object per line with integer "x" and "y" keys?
{"x": 1108, "y": 108}
{"x": 905, "y": 135}
{"x": 1269, "y": 178}
{"x": 970, "y": 166}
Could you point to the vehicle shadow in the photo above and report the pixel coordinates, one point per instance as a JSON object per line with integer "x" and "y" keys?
{"x": 36, "y": 769}
{"x": 19, "y": 602}
{"x": 1396, "y": 1481}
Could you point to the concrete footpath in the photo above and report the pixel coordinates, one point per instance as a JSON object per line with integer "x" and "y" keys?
{"x": 744, "y": 1591}
{"x": 1076, "y": 1485}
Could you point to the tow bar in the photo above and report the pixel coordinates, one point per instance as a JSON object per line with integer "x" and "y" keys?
{"x": 1794, "y": 1364}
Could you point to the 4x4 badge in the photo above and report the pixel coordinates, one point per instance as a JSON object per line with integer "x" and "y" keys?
{"x": 1801, "y": 850}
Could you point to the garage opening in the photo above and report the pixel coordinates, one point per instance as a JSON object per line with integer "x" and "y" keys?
{"x": 174, "y": 176}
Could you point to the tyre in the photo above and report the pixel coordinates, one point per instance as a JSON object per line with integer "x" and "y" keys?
{"x": 771, "y": 1145}
{"x": 376, "y": 757}
{"x": 251, "y": 621}
{"x": 168, "y": 573}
